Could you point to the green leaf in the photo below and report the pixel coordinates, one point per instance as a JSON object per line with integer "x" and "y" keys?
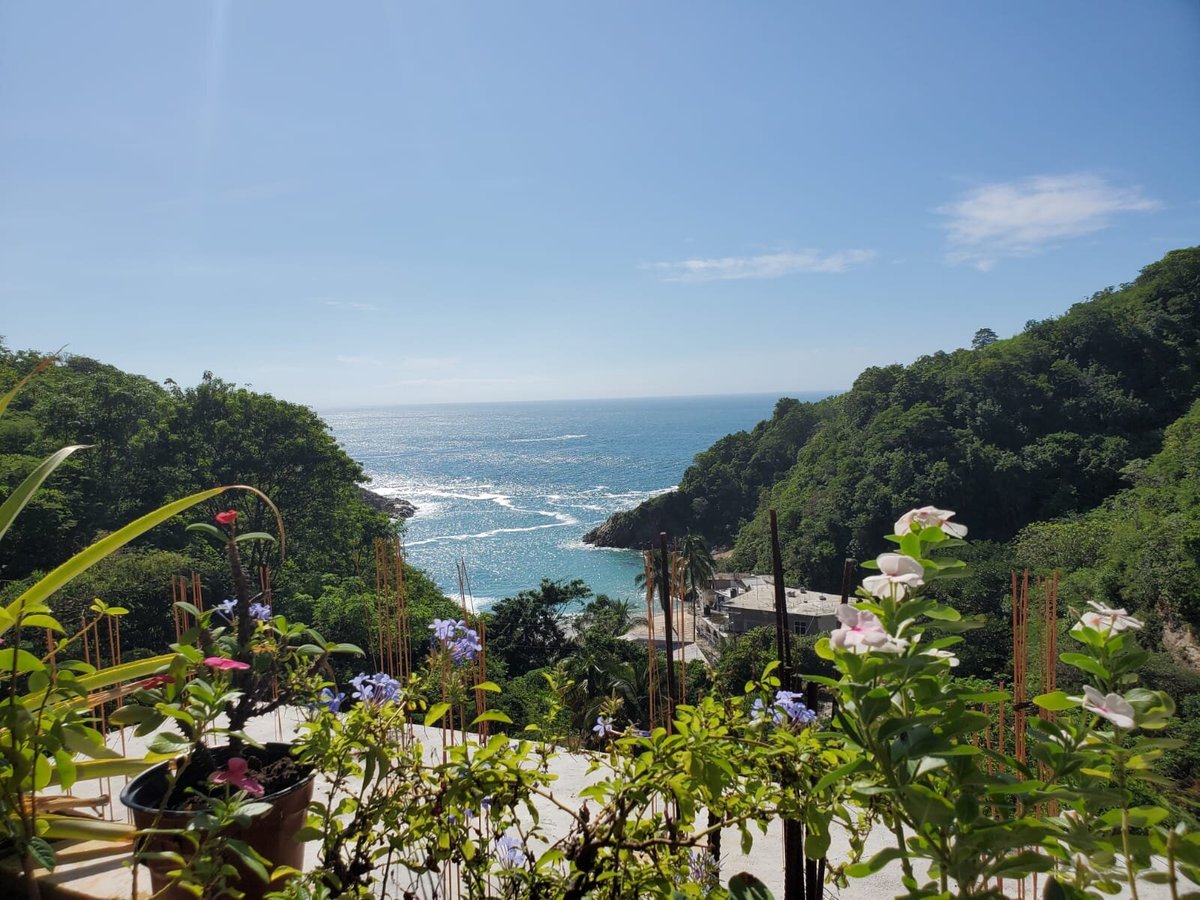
{"x": 25, "y": 661}
{"x": 209, "y": 530}
{"x": 1056, "y": 701}
{"x": 1084, "y": 662}
{"x": 167, "y": 742}
{"x": 42, "y": 852}
{"x": 830, "y": 778}
{"x": 254, "y": 536}
{"x": 875, "y": 863}
{"x": 927, "y": 805}
{"x": 492, "y": 715}
{"x": 490, "y": 686}
{"x": 41, "y": 620}
{"x": 64, "y": 771}
{"x": 89, "y": 769}
{"x": 75, "y": 828}
{"x": 744, "y": 886}
{"x": 436, "y": 713}
{"x": 84, "y": 560}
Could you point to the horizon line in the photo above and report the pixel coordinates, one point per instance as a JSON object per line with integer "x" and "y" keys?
{"x": 823, "y": 392}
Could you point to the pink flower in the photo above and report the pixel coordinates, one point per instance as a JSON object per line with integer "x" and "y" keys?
{"x": 226, "y": 518}
{"x": 899, "y": 574}
{"x": 156, "y": 681}
{"x": 220, "y": 662}
{"x": 930, "y": 517}
{"x": 862, "y": 632}
{"x": 235, "y": 774}
{"x": 1113, "y": 707}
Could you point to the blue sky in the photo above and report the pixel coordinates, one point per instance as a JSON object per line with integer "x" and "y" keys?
{"x": 373, "y": 203}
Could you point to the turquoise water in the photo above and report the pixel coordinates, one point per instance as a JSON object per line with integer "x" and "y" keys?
{"x": 510, "y": 488}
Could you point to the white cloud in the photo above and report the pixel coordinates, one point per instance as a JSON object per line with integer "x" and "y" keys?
{"x": 1022, "y": 218}
{"x": 770, "y": 265}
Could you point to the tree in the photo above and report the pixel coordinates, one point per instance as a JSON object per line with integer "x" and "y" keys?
{"x": 983, "y": 338}
{"x": 526, "y": 631}
{"x": 698, "y": 564}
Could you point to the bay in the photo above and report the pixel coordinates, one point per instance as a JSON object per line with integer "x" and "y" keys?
{"x": 510, "y": 488}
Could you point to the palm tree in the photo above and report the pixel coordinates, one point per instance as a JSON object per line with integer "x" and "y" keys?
{"x": 698, "y": 564}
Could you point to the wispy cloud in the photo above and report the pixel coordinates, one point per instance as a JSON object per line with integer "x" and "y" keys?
{"x": 769, "y": 265}
{"x": 1022, "y": 218}
{"x": 352, "y": 304}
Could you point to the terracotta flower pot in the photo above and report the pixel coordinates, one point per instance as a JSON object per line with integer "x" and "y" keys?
{"x": 272, "y": 834}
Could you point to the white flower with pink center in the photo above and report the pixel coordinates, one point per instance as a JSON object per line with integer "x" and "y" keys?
{"x": 1113, "y": 707}
{"x": 930, "y": 517}
{"x": 898, "y": 575}
{"x": 861, "y": 632}
{"x": 1108, "y": 620}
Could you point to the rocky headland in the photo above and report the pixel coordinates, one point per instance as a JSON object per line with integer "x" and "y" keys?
{"x": 393, "y": 506}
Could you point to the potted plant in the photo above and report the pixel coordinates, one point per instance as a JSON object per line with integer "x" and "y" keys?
{"x": 217, "y": 784}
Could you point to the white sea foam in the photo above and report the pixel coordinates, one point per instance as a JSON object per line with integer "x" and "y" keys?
{"x": 580, "y": 545}
{"x": 490, "y": 533}
{"x": 542, "y": 440}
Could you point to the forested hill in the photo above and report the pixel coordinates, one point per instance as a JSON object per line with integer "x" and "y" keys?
{"x": 1020, "y": 430}
{"x": 150, "y": 444}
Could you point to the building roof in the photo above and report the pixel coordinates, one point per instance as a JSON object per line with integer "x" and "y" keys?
{"x": 759, "y": 594}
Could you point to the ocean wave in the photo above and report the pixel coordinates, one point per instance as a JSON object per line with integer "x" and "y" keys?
{"x": 580, "y": 545}
{"x": 489, "y": 533}
{"x": 542, "y": 440}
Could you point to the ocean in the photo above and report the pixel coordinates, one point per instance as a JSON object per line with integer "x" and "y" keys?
{"x": 510, "y": 488}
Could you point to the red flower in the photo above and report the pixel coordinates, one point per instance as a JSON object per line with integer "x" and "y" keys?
{"x": 156, "y": 681}
{"x": 235, "y": 774}
{"x": 226, "y": 518}
{"x": 220, "y": 662}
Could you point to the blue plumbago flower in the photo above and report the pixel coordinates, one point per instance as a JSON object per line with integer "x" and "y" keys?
{"x": 260, "y": 611}
{"x": 510, "y": 851}
{"x": 758, "y": 713}
{"x": 466, "y": 646}
{"x": 642, "y": 733}
{"x": 446, "y": 629}
{"x": 603, "y": 727}
{"x": 226, "y": 608}
{"x": 332, "y": 702}
{"x": 788, "y": 708}
{"x": 792, "y": 706}
{"x": 462, "y": 640}
{"x": 378, "y": 688}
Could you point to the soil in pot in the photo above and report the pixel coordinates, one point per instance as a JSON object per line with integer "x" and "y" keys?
{"x": 287, "y": 787}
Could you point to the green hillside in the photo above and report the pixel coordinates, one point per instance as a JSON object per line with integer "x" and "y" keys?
{"x": 1031, "y": 428}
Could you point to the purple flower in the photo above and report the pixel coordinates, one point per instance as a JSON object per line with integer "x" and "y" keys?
{"x": 510, "y": 851}
{"x": 462, "y": 641}
{"x": 603, "y": 727}
{"x": 331, "y": 701}
{"x": 758, "y": 713}
{"x": 260, "y": 612}
{"x": 226, "y": 608}
{"x": 378, "y": 688}
{"x": 445, "y": 629}
{"x": 788, "y": 708}
{"x": 792, "y": 706}
{"x": 466, "y": 646}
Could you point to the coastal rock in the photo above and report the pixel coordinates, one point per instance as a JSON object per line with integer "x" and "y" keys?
{"x": 393, "y": 506}
{"x": 640, "y": 527}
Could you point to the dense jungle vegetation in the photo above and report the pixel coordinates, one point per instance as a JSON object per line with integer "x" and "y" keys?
{"x": 1045, "y": 424}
